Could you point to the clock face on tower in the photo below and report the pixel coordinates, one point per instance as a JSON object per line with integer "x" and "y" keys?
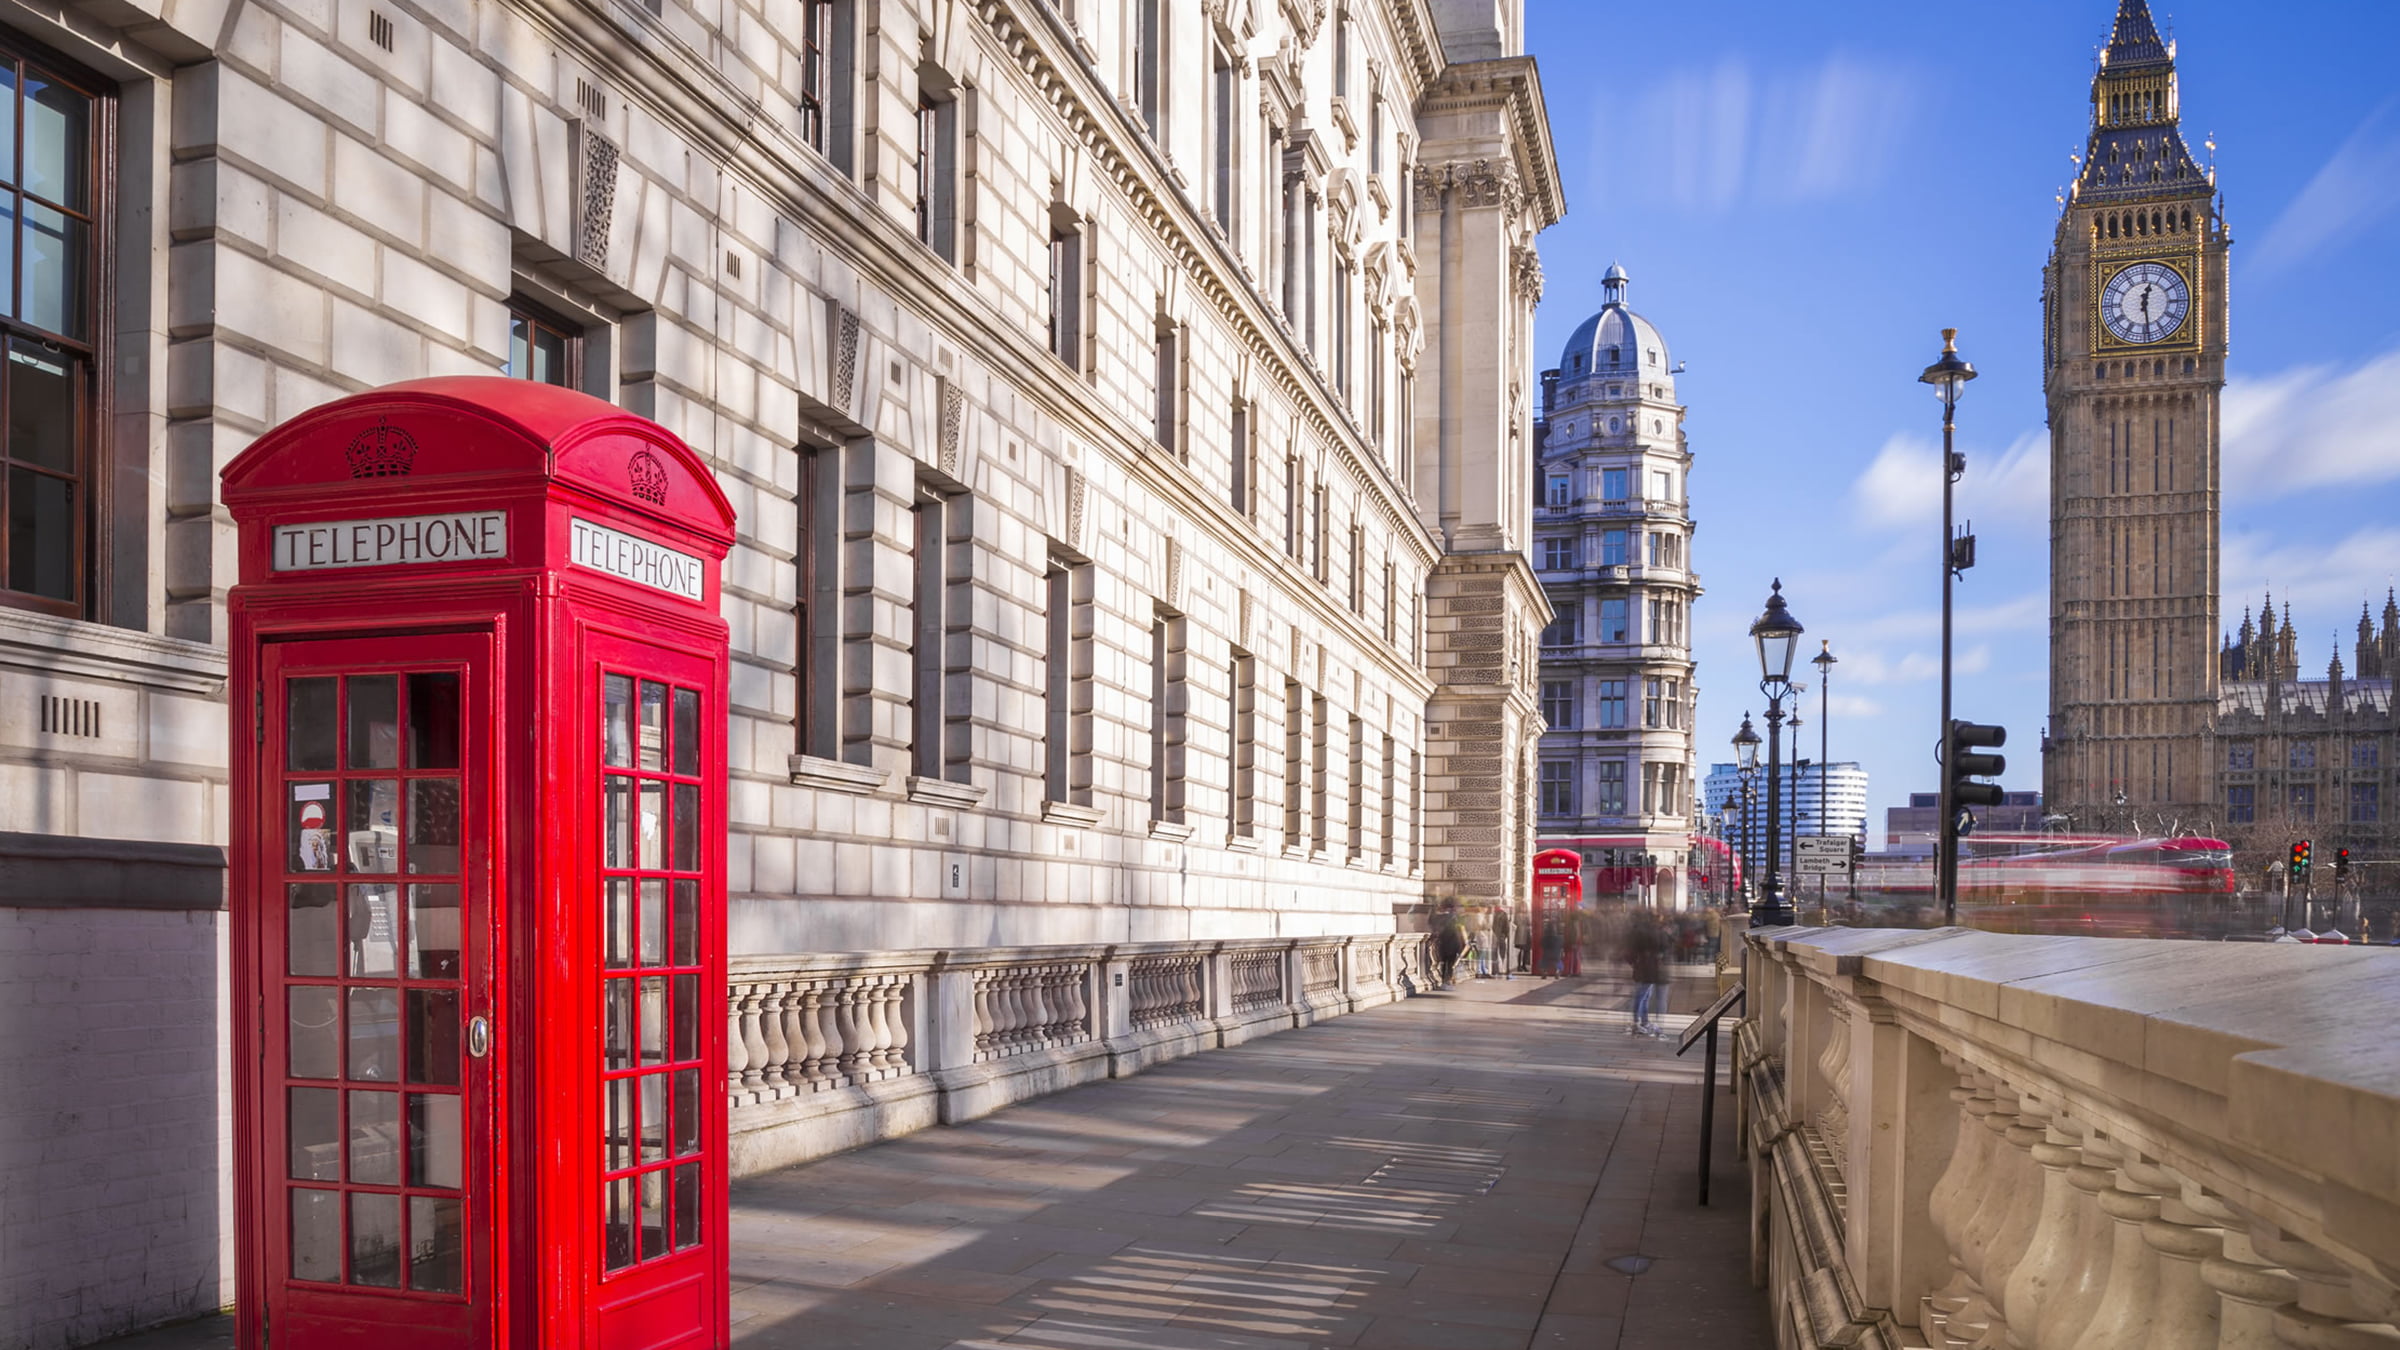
{"x": 2145, "y": 303}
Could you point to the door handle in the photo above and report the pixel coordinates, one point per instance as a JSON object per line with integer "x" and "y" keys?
{"x": 479, "y": 1036}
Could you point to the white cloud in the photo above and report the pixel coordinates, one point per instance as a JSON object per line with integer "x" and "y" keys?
{"x": 2358, "y": 187}
{"x": 1724, "y": 135}
{"x": 2313, "y": 427}
{"x": 1902, "y": 486}
{"x": 2325, "y": 583}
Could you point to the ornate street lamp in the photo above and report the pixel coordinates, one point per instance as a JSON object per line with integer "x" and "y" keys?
{"x": 1777, "y": 634}
{"x": 1745, "y": 759}
{"x": 1824, "y": 661}
{"x": 1948, "y": 377}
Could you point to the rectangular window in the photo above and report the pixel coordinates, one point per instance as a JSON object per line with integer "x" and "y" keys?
{"x": 937, "y": 165}
{"x": 1149, "y": 64}
{"x": 2366, "y": 754}
{"x": 1391, "y": 809}
{"x": 1612, "y": 704}
{"x": 1067, "y": 684}
{"x": 1558, "y": 787}
{"x": 1320, "y": 771}
{"x": 1341, "y": 329}
{"x": 1244, "y": 795}
{"x": 1613, "y": 624}
{"x": 2241, "y": 803}
{"x": 1167, "y": 728}
{"x": 1295, "y": 762}
{"x": 1556, "y": 493}
{"x": 1167, "y": 417}
{"x": 1563, "y": 630}
{"x": 2303, "y": 755}
{"x": 817, "y": 605}
{"x": 1341, "y": 53}
{"x": 1375, "y": 134}
{"x": 2302, "y": 802}
{"x": 1066, "y": 294}
{"x": 1662, "y": 487}
{"x": 1358, "y": 789}
{"x": 1319, "y": 563}
{"x": 1558, "y": 704}
{"x": 1612, "y": 485}
{"x": 1391, "y": 604}
{"x": 1612, "y": 548}
{"x": 1657, "y": 541}
{"x": 1295, "y": 526}
{"x": 938, "y": 711}
{"x": 1225, "y": 85}
{"x": 1610, "y": 777}
{"x": 2366, "y": 803}
{"x": 1558, "y": 555}
{"x": 2241, "y": 754}
{"x": 1416, "y": 811}
{"x": 1654, "y": 703}
{"x": 1358, "y": 569}
{"x": 1674, "y": 702}
{"x": 1376, "y": 342}
{"x": 542, "y": 348}
{"x": 1240, "y": 457}
{"x": 816, "y": 73}
{"x": 1651, "y": 782}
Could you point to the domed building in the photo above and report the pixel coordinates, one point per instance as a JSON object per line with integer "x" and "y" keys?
{"x": 1612, "y": 546}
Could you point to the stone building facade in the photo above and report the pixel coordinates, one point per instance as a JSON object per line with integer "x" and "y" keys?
{"x": 2134, "y": 343}
{"x": 1613, "y": 547}
{"x": 1126, "y": 407}
{"x": 2314, "y": 759}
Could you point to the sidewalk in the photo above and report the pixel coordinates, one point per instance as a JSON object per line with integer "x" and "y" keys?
{"x": 1496, "y": 1166}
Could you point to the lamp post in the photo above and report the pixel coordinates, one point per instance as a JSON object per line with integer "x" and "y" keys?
{"x": 1949, "y": 377}
{"x": 1745, "y": 759}
{"x": 1824, "y": 661}
{"x": 1777, "y": 634}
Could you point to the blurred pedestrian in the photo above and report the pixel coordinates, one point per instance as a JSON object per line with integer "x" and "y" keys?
{"x": 1504, "y": 950}
{"x": 1449, "y": 943}
{"x": 1644, "y": 967}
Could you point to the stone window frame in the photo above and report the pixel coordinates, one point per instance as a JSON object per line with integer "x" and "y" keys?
{"x": 1558, "y": 704}
{"x": 1557, "y": 787}
{"x": 2241, "y": 803}
{"x": 89, "y": 355}
{"x": 939, "y": 209}
{"x": 2366, "y": 803}
{"x": 942, "y": 564}
{"x": 1067, "y": 687}
{"x": 1610, "y": 780}
{"x": 1170, "y": 728}
{"x": 1242, "y": 741}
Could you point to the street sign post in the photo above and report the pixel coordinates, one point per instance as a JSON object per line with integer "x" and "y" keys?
{"x": 1822, "y": 855}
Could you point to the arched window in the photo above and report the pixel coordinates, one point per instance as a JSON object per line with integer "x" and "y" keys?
{"x": 1613, "y": 358}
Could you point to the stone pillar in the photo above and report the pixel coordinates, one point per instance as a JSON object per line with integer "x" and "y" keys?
{"x": 951, "y": 1016}
{"x": 1903, "y": 1131}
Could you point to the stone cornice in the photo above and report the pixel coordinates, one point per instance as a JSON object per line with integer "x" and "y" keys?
{"x": 1512, "y": 85}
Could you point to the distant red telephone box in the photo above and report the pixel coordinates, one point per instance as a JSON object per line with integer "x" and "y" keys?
{"x": 479, "y": 680}
{"x": 1557, "y": 892}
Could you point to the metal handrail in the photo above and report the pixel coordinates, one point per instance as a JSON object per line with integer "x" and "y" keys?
{"x": 1705, "y": 1025}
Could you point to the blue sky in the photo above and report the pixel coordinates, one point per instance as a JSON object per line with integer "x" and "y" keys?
{"x": 1806, "y": 195}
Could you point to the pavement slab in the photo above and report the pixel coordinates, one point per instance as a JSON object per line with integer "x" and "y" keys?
{"x": 1477, "y": 1167}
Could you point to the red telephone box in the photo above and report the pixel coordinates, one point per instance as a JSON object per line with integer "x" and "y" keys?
{"x": 1557, "y": 892}
{"x": 479, "y": 681}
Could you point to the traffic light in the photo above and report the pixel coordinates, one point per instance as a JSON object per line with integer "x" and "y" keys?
{"x": 2341, "y": 865}
{"x": 1964, "y": 761}
{"x": 2300, "y": 860}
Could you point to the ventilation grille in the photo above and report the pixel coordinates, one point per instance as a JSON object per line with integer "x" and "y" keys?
{"x": 379, "y": 29}
{"x": 591, "y": 98}
{"x": 70, "y": 716}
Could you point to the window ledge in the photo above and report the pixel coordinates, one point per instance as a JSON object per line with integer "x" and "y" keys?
{"x": 1242, "y": 843}
{"x": 836, "y": 775}
{"x": 1070, "y": 813}
{"x": 1176, "y": 830}
{"x": 55, "y": 645}
{"x": 942, "y": 792}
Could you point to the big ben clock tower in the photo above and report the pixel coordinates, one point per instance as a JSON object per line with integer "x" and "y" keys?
{"x": 2134, "y": 357}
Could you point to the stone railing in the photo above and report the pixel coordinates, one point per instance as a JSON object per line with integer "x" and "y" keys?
{"x": 2041, "y": 1143}
{"x": 797, "y": 1035}
{"x": 829, "y": 1052}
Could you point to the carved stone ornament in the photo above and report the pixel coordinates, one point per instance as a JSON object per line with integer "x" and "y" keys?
{"x": 1485, "y": 183}
{"x": 1174, "y": 586}
{"x": 381, "y": 451}
{"x": 1243, "y": 612}
{"x": 597, "y": 203}
{"x": 1528, "y": 273}
{"x": 845, "y": 361}
{"x": 1075, "y": 511}
{"x": 1431, "y": 179}
{"x": 649, "y": 478}
{"x": 954, "y": 411}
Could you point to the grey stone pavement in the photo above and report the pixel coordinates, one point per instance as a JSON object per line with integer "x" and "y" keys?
{"x": 1497, "y": 1166}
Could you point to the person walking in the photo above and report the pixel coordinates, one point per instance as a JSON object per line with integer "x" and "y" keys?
{"x": 1645, "y": 965}
{"x": 1504, "y": 949}
{"x": 1449, "y": 943}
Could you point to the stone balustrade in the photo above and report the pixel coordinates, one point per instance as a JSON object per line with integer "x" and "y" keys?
{"x": 1961, "y": 1139}
{"x": 827, "y": 1053}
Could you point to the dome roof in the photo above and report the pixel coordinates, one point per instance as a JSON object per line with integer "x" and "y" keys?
{"x": 1616, "y": 340}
